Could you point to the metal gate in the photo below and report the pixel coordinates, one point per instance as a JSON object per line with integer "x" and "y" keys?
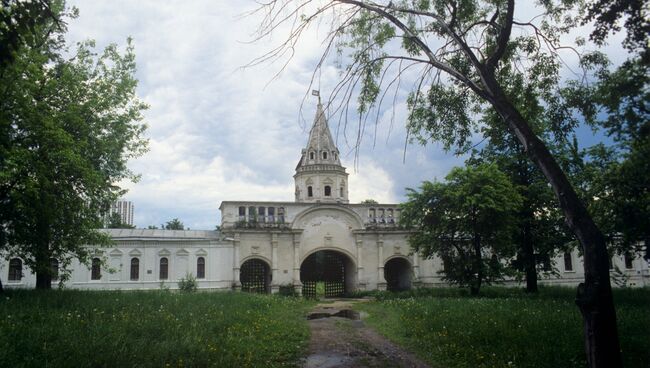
{"x": 254, "y": 276}
{"x": 323, "y": 274}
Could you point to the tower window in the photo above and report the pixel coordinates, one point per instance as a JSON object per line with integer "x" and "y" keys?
{"x": 310, "y": 191}
{"x": 261, "y": 214}
{"x": 341, "y": 194}
{"x": 271, "y": 214}
{"x": 324, "y": 155}
{"x": 281, "y": 215}
{"x": 242, "y": 213}
{"x": 312, "y": 155}
{"x": 328, "y": 191}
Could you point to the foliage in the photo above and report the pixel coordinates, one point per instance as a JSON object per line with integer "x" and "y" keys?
{"x": 151, "y": 329}
{"x": 606, "y": 15}
{"x": 369, "y": 201}
{"x": 69, "y": 121}
{"x": 188, "y": 283}
{"x": 504, "y": 327}
{"x": 115, "y": 222}
{"x": 288, "y": 290}
{"x": 19, "y": 22}
{"x": 467, "y": 221}
{"x": 174, "y": 224}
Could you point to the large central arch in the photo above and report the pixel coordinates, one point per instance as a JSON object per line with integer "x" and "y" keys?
{"x": 330, "y": 270}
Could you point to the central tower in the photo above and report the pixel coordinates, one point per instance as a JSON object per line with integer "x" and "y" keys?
{"x": 320, "y": 177}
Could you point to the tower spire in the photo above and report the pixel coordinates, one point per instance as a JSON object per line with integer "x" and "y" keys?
{"x": 320, "y": 177}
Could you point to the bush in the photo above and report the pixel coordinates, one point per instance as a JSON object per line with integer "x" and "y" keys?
{"x": 188, "y": 284}
{"x": 287, "y": 290}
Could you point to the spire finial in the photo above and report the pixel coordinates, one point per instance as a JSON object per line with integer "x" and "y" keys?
{"x": 315, "y": 92}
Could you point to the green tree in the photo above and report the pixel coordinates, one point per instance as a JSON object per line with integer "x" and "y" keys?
{"x": 114, "y": 221}
{"x": 369, "y": 201}
{"x": 174, "y": 224}
{"x": 68, "y": 125}
{"x": 467, "y": 221}
{"x": 451, "y": 53}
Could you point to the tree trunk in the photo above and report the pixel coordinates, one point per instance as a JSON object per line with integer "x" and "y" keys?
{"x": 530, "y": 265}
{"x": 594, "y": 297}
{"x": 478, "y": 265}
{"x": 2, "y": 290}
{"x": 43, "y": 280}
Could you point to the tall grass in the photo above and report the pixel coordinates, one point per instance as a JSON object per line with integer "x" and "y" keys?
{"x": 504, "y": 327}
{"x": 150, "y": 329}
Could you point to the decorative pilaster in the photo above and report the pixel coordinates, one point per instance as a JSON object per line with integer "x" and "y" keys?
{"x": 235, "y": 266}
{"x": 275, "y": 287}
{"x": 381, "y": 281}
{"x": 360, "y": 280}
{"x": 297, "y": 285}
{"x": 416, "y": 269}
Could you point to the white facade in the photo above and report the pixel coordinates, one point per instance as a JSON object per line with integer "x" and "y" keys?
{"x": 264, "y": 246}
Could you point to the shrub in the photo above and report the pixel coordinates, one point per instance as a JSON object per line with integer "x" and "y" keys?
{"x": 188, "y": 283}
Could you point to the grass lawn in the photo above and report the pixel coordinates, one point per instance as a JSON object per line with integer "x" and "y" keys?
{"x": 150, "y": 329}
{"x": 504, "y": 327}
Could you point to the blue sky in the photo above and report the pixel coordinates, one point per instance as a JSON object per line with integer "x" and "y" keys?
{"x": 220, "y": 132}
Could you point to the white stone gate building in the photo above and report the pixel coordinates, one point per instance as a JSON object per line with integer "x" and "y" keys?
{"x": 318, "y": 241}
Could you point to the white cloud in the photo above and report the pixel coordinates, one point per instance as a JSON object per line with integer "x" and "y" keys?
{"x": 219, "y": 132}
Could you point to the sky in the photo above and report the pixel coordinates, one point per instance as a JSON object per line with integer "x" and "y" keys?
{"x": 218, "y": 131}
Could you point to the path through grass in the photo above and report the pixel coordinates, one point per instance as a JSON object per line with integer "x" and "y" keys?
{"x": 150, "y": 329}
{"x": 504, "y": 327}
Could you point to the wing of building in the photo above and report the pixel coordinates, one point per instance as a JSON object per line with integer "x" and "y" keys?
{"x": 319, "y": 243}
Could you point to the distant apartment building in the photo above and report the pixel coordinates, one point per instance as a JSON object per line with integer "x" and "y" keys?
{"x": 125, "y": 209}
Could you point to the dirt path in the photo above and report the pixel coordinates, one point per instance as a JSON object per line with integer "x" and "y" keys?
{"x": 339, "y": 338}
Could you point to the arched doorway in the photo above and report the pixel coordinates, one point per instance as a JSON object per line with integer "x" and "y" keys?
{"x": 255, "y": 276}
{"x": 328, "y": 273}
{"x": 398, "y": 274}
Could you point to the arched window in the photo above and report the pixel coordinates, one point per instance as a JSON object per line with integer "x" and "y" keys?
{"x": 164, "y": 268}
{"x": 242, "y": 213}
{"x": 568, "y": 262}
{"x": 251, "y": 214}
{"x": 328, "y": 191}
{"x": 135, "y": 269}
{"x": 281, "y": 215}
{"x": 628, "y": 261}
{"x": 341, "y": 193}
{"x": 15, "y": 269}
{"x": 200, "y": 268}
{"x": 96, "y": 271}
{"x": 336, "y": 157}
{"x": 54, "y": 269}
{"x": 310, "y": 191}
{"x": 272, "y": 214}
{"x": 312, "y": 155}
{"x": 324, "y": 155}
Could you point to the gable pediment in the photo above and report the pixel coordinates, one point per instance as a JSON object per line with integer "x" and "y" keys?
{"x": 116, "y": 253}
{"x": 135, "y": 253}
{"x": 182, "y": 253}
{"x": 164, "y": 252}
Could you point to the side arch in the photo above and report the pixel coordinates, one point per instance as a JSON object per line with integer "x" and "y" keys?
{"x": 398, "y": 273}
{"x": 255, "y": 275}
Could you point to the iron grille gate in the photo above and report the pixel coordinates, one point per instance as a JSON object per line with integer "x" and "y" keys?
{"x": 323, "y": 273}
{"x": 254, "y": 276}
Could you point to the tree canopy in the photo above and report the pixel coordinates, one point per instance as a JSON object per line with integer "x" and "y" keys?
{"x": 69, "y": 121}
{"x": 174, "y": 224}
{"x": 467, "y": 221}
